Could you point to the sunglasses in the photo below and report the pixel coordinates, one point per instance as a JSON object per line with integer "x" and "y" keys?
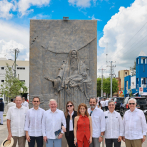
{"x": 35, "y": 101}
{"x": 69, "y": 105}
{"x": 131, "y": 103}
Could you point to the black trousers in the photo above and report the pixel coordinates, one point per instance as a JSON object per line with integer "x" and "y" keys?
{"x": 106, "y": 108}
{"x": 70, "y": 139}
{"x": 109, "y": 143}
{"x": 103, "y": 108}
{"x": 39, "y": 141}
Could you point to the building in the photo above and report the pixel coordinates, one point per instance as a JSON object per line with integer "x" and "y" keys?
{"x": 120, "y": 78}
{"x": 137, "y": 84}
{"x": 22, "y": 71}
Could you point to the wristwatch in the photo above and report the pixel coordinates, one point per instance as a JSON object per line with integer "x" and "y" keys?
{"x": 75, "y": 138}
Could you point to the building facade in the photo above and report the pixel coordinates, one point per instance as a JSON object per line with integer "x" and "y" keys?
{"x": 120, "y": 78}
{"x": 22, "y": 70}
{"x": 134, "y": 83}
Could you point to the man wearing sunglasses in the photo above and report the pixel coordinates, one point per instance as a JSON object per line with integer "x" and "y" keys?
{"x": 134, "y": 126}
{"x": 33, "y": 124}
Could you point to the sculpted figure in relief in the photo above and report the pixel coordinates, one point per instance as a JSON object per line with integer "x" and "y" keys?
{"x": 72, "y": 74}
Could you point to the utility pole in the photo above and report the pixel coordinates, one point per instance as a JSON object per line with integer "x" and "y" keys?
{"x": 16, "y": 51}
{"x": 111, "y": 74}
{"x": 102, "y": 82}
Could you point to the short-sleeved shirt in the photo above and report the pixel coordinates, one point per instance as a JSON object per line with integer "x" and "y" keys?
{"x": 17, "y": 117}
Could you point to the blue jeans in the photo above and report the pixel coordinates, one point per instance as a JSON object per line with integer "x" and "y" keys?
{"x": 56, "y": 142}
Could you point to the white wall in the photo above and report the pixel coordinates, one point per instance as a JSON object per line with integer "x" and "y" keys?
{"x": 133, "y": 82}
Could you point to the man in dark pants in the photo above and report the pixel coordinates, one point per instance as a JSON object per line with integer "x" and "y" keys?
{"x": 33, "y": 124}
{"x": 113, "y": 126}
{"x": 1, "y": 110}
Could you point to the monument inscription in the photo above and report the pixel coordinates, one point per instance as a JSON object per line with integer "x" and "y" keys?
{"x": 63, "y": 61}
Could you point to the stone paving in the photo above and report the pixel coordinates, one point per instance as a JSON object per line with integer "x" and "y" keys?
{"x": 4, "y": 133}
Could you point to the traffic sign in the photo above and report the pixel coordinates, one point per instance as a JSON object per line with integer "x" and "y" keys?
{"x": 140, "y": 90}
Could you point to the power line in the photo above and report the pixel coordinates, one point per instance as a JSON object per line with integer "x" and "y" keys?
{"x": 136, "y": 33}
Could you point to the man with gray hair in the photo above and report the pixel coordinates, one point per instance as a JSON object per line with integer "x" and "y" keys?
{"x": 98, "y": 122}
{"x": 113, "y": 127}
{"x": 24, "y": 102}
{"x": 134, "y": 126}
{"x": 16, "y": 122}
{"x": 51, "y": 125}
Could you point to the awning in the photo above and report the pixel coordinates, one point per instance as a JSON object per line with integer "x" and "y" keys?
{"x": 145, "y": 93}
{"x": 135, "y": 93}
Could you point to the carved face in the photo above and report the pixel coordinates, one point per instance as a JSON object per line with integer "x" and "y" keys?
{"x": 73, "y": 54}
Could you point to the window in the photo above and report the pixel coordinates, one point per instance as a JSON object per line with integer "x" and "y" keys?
{"x": 137, "y": 61}
{"x": 21, "y": 68}
{"x": 2, "y": 68}
{"x": 126, "y": 73}
{"x": 22, "y": 80}
{"x": 2, "y": 80}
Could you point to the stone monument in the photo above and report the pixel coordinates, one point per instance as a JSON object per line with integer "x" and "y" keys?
{"x": 63, "y": 61}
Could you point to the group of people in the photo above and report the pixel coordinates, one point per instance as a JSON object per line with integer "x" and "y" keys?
{"x": 85, "y": 127}
{"x": 104, "y": 104}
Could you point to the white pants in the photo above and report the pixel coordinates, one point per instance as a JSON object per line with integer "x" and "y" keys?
{"x": 1, "y": 116}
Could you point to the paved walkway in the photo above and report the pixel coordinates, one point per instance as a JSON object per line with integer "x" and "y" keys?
{"x": 4, "y": 133}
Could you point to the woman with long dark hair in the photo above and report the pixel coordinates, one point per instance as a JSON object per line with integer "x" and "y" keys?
{"x": 70, "y": 114}
{"x": 83, "y": 127}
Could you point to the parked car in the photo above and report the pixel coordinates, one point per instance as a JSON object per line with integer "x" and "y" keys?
{"x": 118, "y": 102}
{"x": 140, "y": 101}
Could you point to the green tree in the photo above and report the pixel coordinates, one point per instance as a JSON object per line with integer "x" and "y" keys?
{"x": 106, "y": 85}
{"x": 12, "y": 86}
{"x": 134, "y": 66}
{"x": 98, "y": 86}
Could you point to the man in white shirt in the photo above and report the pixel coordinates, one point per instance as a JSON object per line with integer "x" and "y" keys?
{"x": 98, "y": 123}
{"x": 106, "y": 104}
{"x": 134, "y": 125}
{"x": 113, "y": 126}
{"x": 98, "y": 101}
{"x": 51, "y": 123}
{"x": 33, "y": 124}
{"x": 16, "y": 122}
{"x": 102, "y": 104}
{"x": 10, "y": 104}
{"x": 24, "y": 103}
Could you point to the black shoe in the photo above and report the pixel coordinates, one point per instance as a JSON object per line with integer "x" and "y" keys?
{"x": 1, "y": 124}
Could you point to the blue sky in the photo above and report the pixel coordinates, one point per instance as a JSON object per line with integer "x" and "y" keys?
{"x": 118, "y": 21}
{"x": 102, "y": 10}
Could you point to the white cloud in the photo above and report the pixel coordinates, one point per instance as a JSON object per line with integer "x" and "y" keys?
{"x": 80, "y": 3}
{"x": 5, "y": 8}
{"x": 124, "y": 36}
{"x": 41, "y": 16}
{"x": 24, "y": 5}
{"x": 93, "y": 18}
{"x": 13, "y": 36}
